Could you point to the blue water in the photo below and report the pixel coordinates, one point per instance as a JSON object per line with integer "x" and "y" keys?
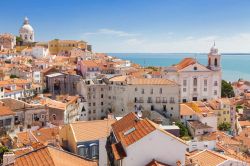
{"x": 234, "y": 66}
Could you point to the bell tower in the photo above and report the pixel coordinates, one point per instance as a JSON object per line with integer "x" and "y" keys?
{"x": 214, "y": 59}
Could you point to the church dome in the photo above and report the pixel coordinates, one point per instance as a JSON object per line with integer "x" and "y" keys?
{"x": 26, "y": 28}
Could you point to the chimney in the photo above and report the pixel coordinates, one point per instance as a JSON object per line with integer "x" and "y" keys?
{"x": 8, "y": 158}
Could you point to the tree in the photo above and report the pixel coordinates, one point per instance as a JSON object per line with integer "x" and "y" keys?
{"x": 13, "y": 76}
{"x": 226, "y": 89}
{"x": 183, "y": 129}
{"x": 225, "y": 126}
{"x": 3, "y": 149}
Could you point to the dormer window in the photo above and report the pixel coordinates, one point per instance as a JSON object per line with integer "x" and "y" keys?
{"x": 195, "y": 68}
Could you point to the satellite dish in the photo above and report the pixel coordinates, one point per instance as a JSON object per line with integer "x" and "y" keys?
{"x": 139, "y": 114}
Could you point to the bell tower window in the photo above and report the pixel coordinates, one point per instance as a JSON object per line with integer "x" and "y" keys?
{"x": 209, "y": 61}
{"x": 215, "y": 62}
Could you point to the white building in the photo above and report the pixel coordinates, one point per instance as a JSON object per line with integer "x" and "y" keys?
{"x": 122, "y": 94}
{"x": 26, "y": 32}
{"x": 198, "y": 82}
{"x": 39, "y": 52}
{"x": 137, "y": 142}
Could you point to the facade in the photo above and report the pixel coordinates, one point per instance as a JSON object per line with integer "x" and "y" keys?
{"x": 198, "y": 82}
{"x": 147, "y": 143}
{"x": 128, "y": 94}
{"x": 63, "y": 47}
{"x": 26, "y": 32}
{"x": 121, "y": 95}
{"x": 7, "y": 41}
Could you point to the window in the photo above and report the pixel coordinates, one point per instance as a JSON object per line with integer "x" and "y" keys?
{"x": 184, "y": 100}
{"x": 195, "y": 68}
{"x": 205, "y": 89}
{"x": 94, "y": 111}
{"x": 215, "y": 83}
{"x": 152, "y": 91}
{"x": 152, "y": 107}
{"x": 149, "y": 100}
{"x": 82, "y": 150}
{"x": 89, "y": 104}
{"x": 135, "y": 89}
{"x": 215, "y": 92}
{"x": 205, "y": 82}
{"x": 160, "y": 91}
{"x": 195, "y": 81}
{"x": 215, "y": 62}
{"x": 101, "y": 103}
{"x": 94, "y": 150}
{"x": 93, "y": 104}
{"x": 195, "y": 89}
{"x": 142, "y": 91}
{"x": 184, "y": 89}
{"x": 101, "y": 95}
{"x": 184, "y": 82}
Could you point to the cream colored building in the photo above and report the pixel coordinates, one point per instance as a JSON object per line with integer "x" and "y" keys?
{"x": 198, "y": 82}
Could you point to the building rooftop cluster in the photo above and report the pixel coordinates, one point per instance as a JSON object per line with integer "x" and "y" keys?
{"x": 61, "y": 103}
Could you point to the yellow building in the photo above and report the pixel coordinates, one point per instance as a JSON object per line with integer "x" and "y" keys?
{"x": 221, "y": 108}
{"x": 63, "y": 47}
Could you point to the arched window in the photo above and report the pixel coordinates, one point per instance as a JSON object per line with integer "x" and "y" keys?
{"x": 26, "y": 37}
{"x": 215, "y": 62}
{"x": 94, "y": 150}
{"x": 82, "y": 150}
{"x": 209, "y": 61}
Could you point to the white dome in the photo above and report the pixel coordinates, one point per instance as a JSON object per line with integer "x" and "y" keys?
{"x": 26, "y": 28}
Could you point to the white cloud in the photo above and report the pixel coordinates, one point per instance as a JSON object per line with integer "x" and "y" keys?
{"x": 105, "y": 31}
{"x": 128, "y": 42}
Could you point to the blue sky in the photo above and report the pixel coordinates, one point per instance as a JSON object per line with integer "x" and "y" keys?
{"x": 136, "y": 25}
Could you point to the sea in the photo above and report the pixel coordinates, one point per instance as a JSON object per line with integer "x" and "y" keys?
{"x": 234, "y": 66}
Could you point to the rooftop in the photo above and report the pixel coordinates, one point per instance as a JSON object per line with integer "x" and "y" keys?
{"x": 91, "y": 130}
{"x": 51, "y": 156}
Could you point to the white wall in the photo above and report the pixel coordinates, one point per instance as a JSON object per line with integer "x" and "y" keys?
{"x": 103, "y": 158}
{"x": 156, "y": 145}
{"x": 201, "y": 145}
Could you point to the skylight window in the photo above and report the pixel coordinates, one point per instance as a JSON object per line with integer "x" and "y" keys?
{"x": 129, "y": 131}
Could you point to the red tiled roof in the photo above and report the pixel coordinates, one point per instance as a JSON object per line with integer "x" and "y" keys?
{"x": 156, "y": 163}
{"x": 5, "y": 111}
{"x": 49, "y": 156}
{"x": 185, "y": 62}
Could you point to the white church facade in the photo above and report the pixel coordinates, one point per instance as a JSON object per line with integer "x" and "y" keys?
{"x": 26, "y": 32}
{"x": 198, "y": 82}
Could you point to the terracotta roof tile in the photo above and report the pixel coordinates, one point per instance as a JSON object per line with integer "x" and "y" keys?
{"x": 5, "y": 111}
{"x": 91, "y": 130}
{"x": 186, "y": 110}
{"x": 150, "y": 81}
{"x": 50, "y": 156}
{"x": 156, "y": 163}
{"x": 208, "y": 158}
{"x": 185, "y": 62}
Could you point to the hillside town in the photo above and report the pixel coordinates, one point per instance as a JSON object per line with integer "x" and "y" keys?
{"x": 63, "y": 104}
